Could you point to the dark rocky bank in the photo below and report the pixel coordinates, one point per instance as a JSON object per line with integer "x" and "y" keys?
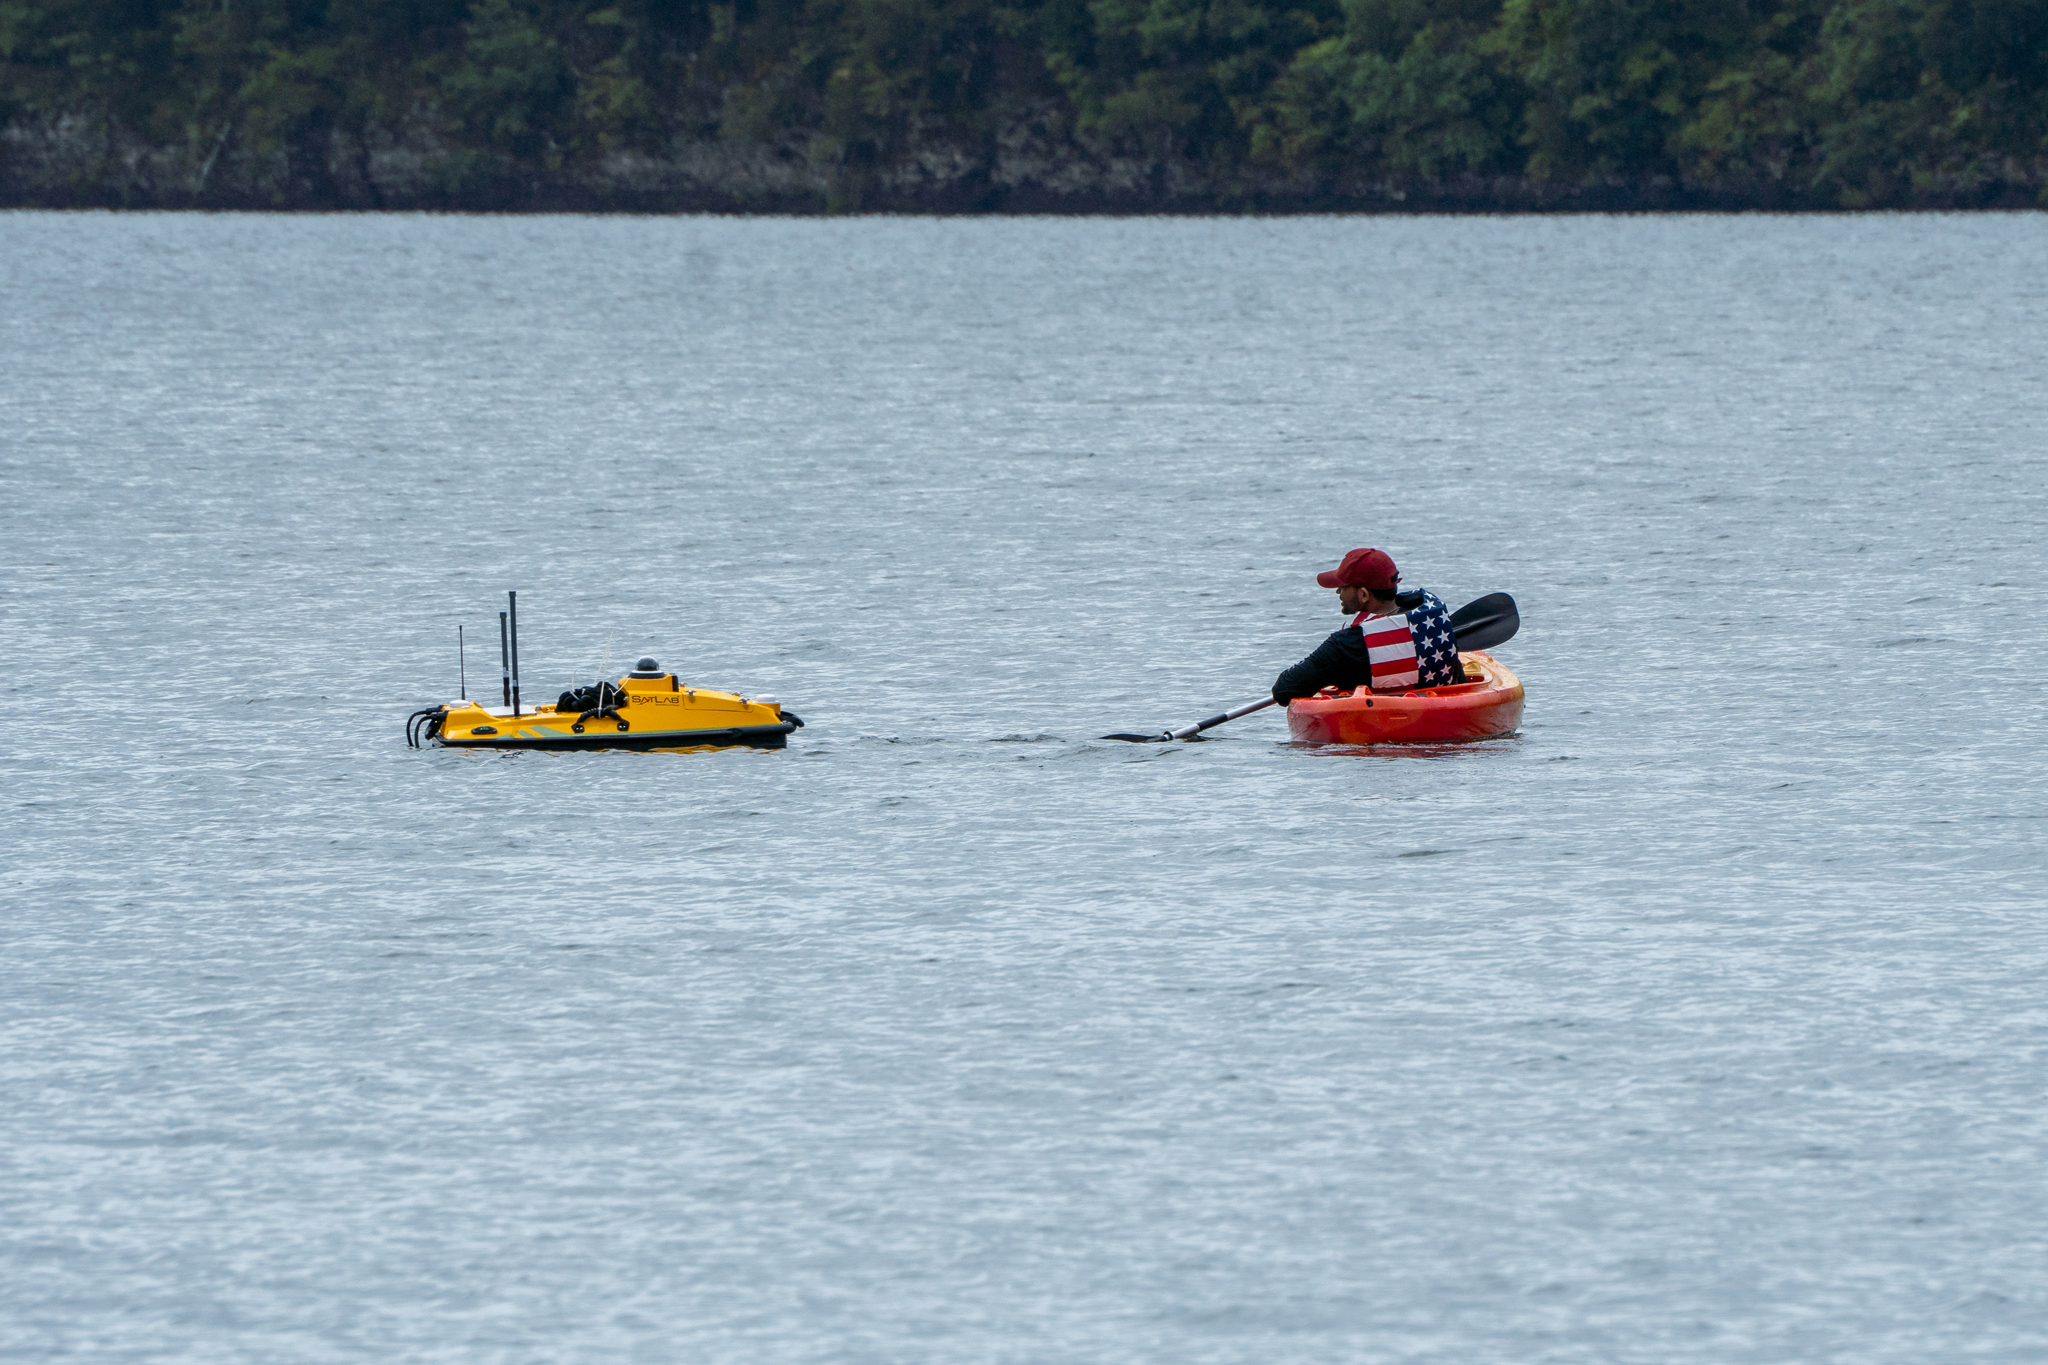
{"x": 1031, "y": 165}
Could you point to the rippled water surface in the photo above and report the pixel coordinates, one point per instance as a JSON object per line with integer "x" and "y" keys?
{"x": 1702, "y": 1021}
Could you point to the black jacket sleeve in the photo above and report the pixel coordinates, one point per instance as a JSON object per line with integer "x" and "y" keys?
{"x": 1339, "y": 661}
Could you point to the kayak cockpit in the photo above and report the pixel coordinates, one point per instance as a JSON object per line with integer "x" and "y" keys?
{"x": 1485, "y": 706}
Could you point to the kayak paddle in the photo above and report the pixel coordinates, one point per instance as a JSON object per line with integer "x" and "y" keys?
{"x": 1190, "y": 731}
{"x": 1490, "y": 621}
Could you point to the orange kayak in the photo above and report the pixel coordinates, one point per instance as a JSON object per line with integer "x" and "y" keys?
{"x": 1484, "y": 708}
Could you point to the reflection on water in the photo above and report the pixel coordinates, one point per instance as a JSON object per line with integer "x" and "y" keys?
{"x": 1397, "y": 749}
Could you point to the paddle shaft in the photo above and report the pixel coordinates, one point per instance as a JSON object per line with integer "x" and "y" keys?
{"x": 1190, "y": 731}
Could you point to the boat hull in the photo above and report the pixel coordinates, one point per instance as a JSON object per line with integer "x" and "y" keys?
{"x": 644, "y": 713}
{"x": 747, "y": 736}
{"x": 1486, "y": 708}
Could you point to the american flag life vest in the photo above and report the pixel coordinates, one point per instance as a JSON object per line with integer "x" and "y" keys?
{"x": 1418, "y": 649}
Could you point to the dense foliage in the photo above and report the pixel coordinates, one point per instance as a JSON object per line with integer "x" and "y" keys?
{"x": 1850, "y": 102}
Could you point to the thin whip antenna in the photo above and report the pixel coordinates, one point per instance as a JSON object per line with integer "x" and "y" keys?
{"x": 513, "y": 602}
{"x": 462, "y": 663}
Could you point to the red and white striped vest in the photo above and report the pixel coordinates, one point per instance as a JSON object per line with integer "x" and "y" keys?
{"x": 1392, "y": 646}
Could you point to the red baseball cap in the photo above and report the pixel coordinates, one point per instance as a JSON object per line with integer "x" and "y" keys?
{"x": 1363, "y": 569}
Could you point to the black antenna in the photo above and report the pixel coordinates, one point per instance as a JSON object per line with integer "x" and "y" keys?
{"x": 505, "y": 658}
{"x": 515, "y": 651}
{"x": 462, "y": 663}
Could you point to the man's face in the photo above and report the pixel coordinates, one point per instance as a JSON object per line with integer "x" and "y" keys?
{"x": 1352, "y": 601}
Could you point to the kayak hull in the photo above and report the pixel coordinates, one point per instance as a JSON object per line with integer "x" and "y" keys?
{"x": 1486, "y": 708}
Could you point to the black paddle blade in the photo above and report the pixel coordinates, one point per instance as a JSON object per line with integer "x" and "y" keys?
{"x": 1490, "y": 621}
{"x": 1140, "y": 739}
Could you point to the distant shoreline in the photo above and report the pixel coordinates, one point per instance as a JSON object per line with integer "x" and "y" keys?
{"x": 69, "y": 164}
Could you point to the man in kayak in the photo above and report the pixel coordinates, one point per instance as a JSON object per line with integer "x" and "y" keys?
{"x": 1397, "y": 638}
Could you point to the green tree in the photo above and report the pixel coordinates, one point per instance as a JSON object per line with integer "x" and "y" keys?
{"x": 1755, "y": 120}
{"x": 107, "y": 59}
{"x": 1188, "y": 77}
{"x": 1923, "y": 95}
{"x": 1611, "y": 83}
{"x": 509, "y": 90}
{"x": 1401, "y": 94}
{"x": 1859, "y": 102}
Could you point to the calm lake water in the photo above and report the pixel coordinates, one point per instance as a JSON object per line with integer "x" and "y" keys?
{"x": 1702, "y": 1021}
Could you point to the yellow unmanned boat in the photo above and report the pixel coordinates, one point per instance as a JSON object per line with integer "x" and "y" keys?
{"x": 647, "y": 709}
